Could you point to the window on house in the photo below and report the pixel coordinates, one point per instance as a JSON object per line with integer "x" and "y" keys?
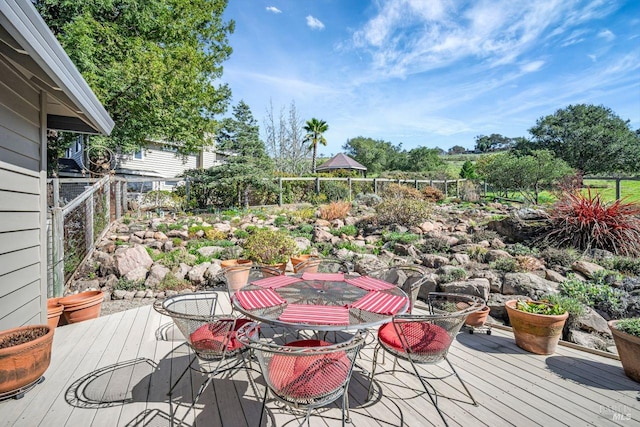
{"x": 138, "y": 155}
{"x": 78, "y": 145}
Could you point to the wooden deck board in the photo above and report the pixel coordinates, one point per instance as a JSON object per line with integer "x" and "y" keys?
{"x": 139, "y": 354}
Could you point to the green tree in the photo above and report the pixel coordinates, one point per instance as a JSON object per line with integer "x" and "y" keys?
{"x": 376, "y": 155}
{"x": 152, "y": 64}
{"x": 457, "y": 149}
{"x": 315, "y": 128}
{"x": 529, "y": 174}
{"x": 493, "y": 142}
{"x": 422, "y": 159}
{"x": 590, "y": 138}
{"x": 241, "y": 133}
{"x": 468, "y": 170}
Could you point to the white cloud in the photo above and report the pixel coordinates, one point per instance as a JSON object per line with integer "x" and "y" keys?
{"x": 593, "y": 58}
{"x": 314, "y": 23}
{"x": 412, "y": 36}
{"x": 607, "y": 35}
{"x": 273, "y": 9}
{"x": 531, "y": 67}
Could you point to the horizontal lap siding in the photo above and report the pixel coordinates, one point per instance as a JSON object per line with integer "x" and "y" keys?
{"x": 20, "y": 196}
{"x": 165, "y": 163}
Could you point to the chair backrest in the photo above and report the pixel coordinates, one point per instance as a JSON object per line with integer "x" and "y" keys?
{"x": 324, "y": 265}
{"x": 427, "y": 337}
{"x": 210, "y": 336}
{"x": 302, "y": 371}
{"x": 408, "y": 277}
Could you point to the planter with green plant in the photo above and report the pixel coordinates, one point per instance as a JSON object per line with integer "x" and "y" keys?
{"x": 626, "y": 334}
{"x": 537, "y": 325}
{"x": 270, "y": 247}
{"x": 236, "y": 272}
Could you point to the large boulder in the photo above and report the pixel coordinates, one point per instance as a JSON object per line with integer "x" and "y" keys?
{"x": 527, "y": 284}
{"x": 131, "y": 258}
{"x": 478, "y": 287}
{"x": 519, "y": 227}
{"x": 156, "y": 275}
{"x": 588, "y": 269}
{"x": 196, "y": 274}
{"x": 434, "y": 261}
{"x": 137, "y": 275}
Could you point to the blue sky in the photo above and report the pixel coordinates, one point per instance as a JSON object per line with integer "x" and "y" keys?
{"x": 433, "y": 72}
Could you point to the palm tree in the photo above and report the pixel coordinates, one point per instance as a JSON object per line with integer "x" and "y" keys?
{"x": 315, "y": 128}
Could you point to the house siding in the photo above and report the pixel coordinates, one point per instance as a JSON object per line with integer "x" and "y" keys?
{"x": 21, "y": 246}
{"x": 157, "y": 162}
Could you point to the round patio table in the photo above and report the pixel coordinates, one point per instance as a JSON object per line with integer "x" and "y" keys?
{"x": 321, "y": 301}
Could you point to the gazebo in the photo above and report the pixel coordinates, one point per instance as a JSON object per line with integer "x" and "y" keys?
{"x": 341, "y": 161}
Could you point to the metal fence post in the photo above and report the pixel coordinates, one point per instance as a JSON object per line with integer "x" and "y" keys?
{"x": 375, "y": 186}
{"x": 618, "y": 188}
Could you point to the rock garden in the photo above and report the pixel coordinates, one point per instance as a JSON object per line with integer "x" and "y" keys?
{"x": 492, "y": 250}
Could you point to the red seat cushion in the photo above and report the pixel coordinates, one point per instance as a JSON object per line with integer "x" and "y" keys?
{"x": 308, "y": 376}
{"x": 211, "y": 336}
{"x": 422, "y": 337}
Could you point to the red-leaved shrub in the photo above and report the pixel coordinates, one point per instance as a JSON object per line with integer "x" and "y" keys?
{"x": 586, "y": 221}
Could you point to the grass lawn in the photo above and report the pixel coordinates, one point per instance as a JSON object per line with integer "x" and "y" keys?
{"x": 629, "y": 190}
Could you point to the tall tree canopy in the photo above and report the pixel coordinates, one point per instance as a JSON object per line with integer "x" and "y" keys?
{"x": 493, "y": 142}
{"x": 241, "y": 133}
{"x": 590, "y": 138}
{"x": 315, "y": 129}
{"x": 152, "y": 64}
{"x": 377, "y": 155}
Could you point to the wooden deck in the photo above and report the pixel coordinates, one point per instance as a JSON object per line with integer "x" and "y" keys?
{"x": 116, "y": 371}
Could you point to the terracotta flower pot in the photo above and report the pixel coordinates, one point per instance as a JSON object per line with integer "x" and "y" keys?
{"x": 82, "y": 306}
{"x": 23, "y": 364}
{"x": 478, "y": 318}
{"x": 237, "y": 272}
{"x": 296, "y": 260}
{"x": 54, "y": 311}
{"x": 537, "y": 333}
{"x": 628, "y": 349}
{"x": 272, "y": 268}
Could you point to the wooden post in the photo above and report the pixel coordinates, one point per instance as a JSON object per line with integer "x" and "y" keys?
{"x": 349, "y": 182}
{"x": 187, "y": 191}
{"x": 88, "y": 218}
{"x": 375, "y": 186}
{"x": 118, "y": 199}
{"x": 56, "y": 192}
{"x": 125, "y": 208}
{"x": 618, "y": 188}
{"x": 446, "y": 189}
{"x": 280, "y": 195}
{"x": 57, "y": 250}
{"x": 457, "y": 188}
{"x": 107, "y": 202}
{"x": 318, "y": 186}
{"x": 416, "y": 184}
{"x": 485, "y": 188}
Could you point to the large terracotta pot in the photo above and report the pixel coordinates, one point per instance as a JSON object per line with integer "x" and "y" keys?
{"x": 629, "y": 351}
{"x": 23, "y": 364}
{"x": 274, "y": 269}
{"x": 54, "y": 311}
{"x": 236, "y": 272}
{"x": 299, "y": 259}
{"x": 478, "y": 318}
{"x": 82, "y": 306}
{"x": 537, "y": 333}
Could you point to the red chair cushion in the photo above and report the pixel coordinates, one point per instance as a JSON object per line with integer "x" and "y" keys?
{"x": 308, "y": 376}
{"x": 422, "y": 337}
{"x": 211, "y": 336}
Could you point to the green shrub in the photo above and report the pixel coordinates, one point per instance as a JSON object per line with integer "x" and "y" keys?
{"x": 508, "y": 265}
{"x": 627, "y": 265}
{"x": 280, "y": 221}
{"x": 304, "y": 214}
{"x": 368, "y": 199}
{"x": 173, "y": 259}
{"x": 520, "y": 249}
{"x": 399, "y": 191}
{"x": 404, "y": 238}
{"x": 630, "y": 326}
{"x": 350, "y": 246}
{"x": 477, "y": 253}
{"x": 214, "y": 234}
{"x": 572, "y": 305}
{"x": 559, "y": 257}
{"x": 241, "y": 234}
{"x": 596, "y": 295}
{"x": 453, "y": 275}
{"x": 171, "y": 283}
{"x": 129, "y": 285}
{"x": 176, "y": 242}
{"x": 347, "y": 230}
{"x": 540, "y": 307}
{"x": 267, "y": 246}
{"x": 407, "y": 212}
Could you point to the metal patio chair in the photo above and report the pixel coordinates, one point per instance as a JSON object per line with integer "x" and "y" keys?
{"x": 211, "y": 336}
{"x": 302, "y": 373}
{"x": 325, "y": 265}
{"x": 408, "y": 277}
{"x": 425, "y": 339}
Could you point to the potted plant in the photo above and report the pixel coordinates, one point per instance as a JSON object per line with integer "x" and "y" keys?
{"x": 270, "y": 247}
{"x": 25, "y": 354}
{"x": 626, "y": 334}
{"x": 537, "y": 325}
{"x": 236, "y": 272}
{"x": 82, "y": 306}
{"x": 478, "y": 318}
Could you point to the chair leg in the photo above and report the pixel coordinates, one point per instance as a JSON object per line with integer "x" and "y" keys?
{"x": 461, "y": 382}
{"x": 264, "y": 403}
{"x": 181, "y": 375}
{"x": 373, "y": 371}
{"x": 426, "y": 385}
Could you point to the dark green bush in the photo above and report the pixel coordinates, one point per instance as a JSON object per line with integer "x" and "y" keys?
{"x": 407, "y": 212}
